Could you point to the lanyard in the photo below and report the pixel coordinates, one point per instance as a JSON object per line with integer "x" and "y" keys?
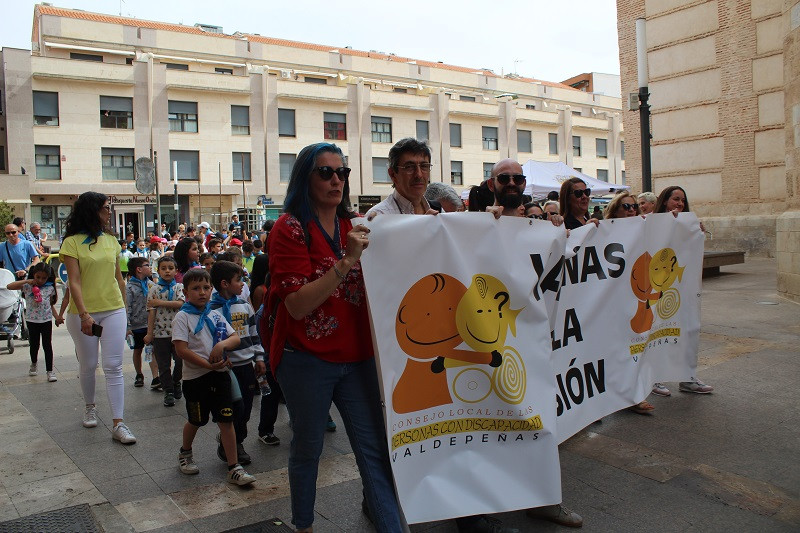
{"x": 335, "y": 242}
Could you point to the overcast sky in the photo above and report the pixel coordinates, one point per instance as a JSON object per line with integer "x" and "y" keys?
{"x": 547, "y": 40}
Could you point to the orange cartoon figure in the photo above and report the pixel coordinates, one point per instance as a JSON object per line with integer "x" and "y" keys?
{"x": 643, "y": 290}
{"x": 426, "y": 331}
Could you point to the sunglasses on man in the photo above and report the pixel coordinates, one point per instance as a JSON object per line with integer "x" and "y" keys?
{"x": 582, "y": 192}
{"x": 504, "y": 179}
{"x": 327, "y": 173}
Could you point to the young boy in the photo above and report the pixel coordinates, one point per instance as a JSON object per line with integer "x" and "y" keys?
{"x": 136, "y": 292}
{"x": 226, "y": 277}
{"x": 215, "y": 247}
{"x": 206, "y": 384}
{"x": 248, "y": 257}
{"x": 141, "y": 249}
{"x": 163, "y": 302}
{"x": 234, "y": 255}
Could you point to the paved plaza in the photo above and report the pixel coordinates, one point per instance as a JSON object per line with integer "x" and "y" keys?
{"x": 727, "y": 461}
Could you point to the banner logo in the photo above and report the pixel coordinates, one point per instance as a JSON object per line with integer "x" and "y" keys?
{"x": 437, "y": 314}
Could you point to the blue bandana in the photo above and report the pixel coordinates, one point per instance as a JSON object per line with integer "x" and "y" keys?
{"x": 170, "y": 286}
{"x": 89, "y": 239}
{"x": 204, "y": 319}
{"x": 219, "y": 302}
{"x": 48, "y": 284}
{"x": 142, "y": 283}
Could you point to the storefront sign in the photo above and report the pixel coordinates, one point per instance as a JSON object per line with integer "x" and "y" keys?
{"x": 130, "y": 199}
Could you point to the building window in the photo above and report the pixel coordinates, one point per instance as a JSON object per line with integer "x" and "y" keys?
{"x": 400, "y": 90}
{"x": 311, "y": 79}
{"x": 335, "y": 126}
{"x": 552, "y": 140}
{"x": 602, "y": 174}
{"x": 45, "y": 108}
{"x": 287, "y": 163}
{"x": 381, "y": 129}
{"x": 524, "y": 141}
{"x": 182, "y": 116}
{"x": 623, "y": 177}
{"x": 188, "y": 164}
{"x": 380, "y": 170}
{"x": 117, "y": 163}
{"x": 487, "y": 170}
{"x": 456, "y": 173}
{"x": 241, "y": 166}
{"x": 622, "y": 150}
{"x": 219, "y": 70}
{"x": 465, "y": 98}
{"x": 286, "y": 123}
{"x": 423, "y": 130}
{"x": 577, "y": 113}
{"x": 48, "y": 162}
{"x": 489, "y": 138}
{"x": 576, "y": 146}
{"x": 578, "y": 169}
{"x": 2, "y": 157}
{"x": 530, "y": 106}
{"x": 455, "y": 135}
{"x": 602, "y": 148}
{"x": 129, "y": 61}
{"x": 116, "y": 112}
{"x": 176, "y": 66}
{"x": 86, "y": 57}
{"x": 240, "y": 120}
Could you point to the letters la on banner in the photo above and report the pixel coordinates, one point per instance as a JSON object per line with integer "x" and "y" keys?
{"x": 498, "y": 339}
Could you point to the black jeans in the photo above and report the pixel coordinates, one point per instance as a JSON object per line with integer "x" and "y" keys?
{"x": 45, "y": 332}
{"x": 164, "y": 352}
{"x": 269, "y": 406}
{"x": 246, "y": 376}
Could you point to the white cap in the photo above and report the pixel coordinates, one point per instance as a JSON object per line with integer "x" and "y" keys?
{"x": 204, "y": 225}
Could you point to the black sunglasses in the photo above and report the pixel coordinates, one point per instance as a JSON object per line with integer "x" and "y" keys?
{"x": 327, "y": 173}
{"x": 538, "y": 217}
{"x": 504, "y": 179}
{"x": 629, "y": 206}
{"x": 581, "y": 192}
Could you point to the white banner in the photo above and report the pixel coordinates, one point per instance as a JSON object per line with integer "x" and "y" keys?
{"x": 479, "y": 323}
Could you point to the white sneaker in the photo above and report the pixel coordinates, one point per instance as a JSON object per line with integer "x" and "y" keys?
{"x": 123, "y": 434}
{"x": 51, "y": 376}
{"x": 186, "y": 463}
{"x": 90, "y": 416}
{"x": 238, "y": 476}
{"x": 661, "y": 389}
{"x": 697, "y": 387}
{"x": 32, "y": 371}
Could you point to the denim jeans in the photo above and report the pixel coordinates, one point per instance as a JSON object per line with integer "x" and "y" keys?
{"x": 309, "y": 385}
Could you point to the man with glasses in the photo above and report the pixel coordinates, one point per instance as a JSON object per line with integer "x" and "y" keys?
{"x": 17, "y": 254}
{"x": 38, "y": 239}
{"x": 507, "y": 182}
{"x": 410, "y": 171}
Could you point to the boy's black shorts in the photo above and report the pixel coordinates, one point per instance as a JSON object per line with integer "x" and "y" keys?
{"x": 138, "y": 338}
{"x": 210, "y": 393}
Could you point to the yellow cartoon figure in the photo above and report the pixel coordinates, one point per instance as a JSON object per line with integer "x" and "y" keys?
{"x": 483, "y": 319}
{"x": 664, "y": 270}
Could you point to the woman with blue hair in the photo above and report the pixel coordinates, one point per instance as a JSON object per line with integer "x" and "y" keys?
{"x": 320, "y": 346}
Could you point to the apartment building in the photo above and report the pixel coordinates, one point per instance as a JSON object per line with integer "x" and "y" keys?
{"x": 230, "y": 112}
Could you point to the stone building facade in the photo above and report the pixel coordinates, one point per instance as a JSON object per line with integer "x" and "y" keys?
{"x": 723, "y": 79}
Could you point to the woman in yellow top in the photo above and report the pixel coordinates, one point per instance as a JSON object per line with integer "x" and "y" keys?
{"x": 97, "y": 318}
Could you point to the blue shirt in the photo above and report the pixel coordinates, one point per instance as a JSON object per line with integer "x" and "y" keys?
{"x": 21, "y": 255}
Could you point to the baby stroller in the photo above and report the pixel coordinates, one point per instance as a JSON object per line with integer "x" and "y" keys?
{"x": 12, "y": 312}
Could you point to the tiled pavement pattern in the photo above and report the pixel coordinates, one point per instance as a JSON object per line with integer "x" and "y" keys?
{"x": 725, "y": 461}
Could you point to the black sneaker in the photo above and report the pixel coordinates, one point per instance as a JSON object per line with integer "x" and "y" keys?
{"x": 243, "y": 456}
{"x": 178, "y": 390}
{"x": 169, "y": 399}
{"x": 139, "y": 381}
{"x": 270, "y": 439}
{"x": 155, "y": 384}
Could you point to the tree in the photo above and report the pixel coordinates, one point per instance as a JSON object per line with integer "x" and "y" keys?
{"x": 6, "y": 216}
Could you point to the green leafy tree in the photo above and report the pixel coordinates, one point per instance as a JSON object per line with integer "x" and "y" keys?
{"x": 6, "y": 216}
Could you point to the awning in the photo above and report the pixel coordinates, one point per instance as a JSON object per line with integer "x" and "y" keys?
{"x": 18, "y": 201}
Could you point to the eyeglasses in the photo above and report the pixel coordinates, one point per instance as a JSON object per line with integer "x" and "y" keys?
{"x": 626, "y": 207}
{"x": 409, "y": 168}
{"x": 582, "y": 192}
{"x": 538, "y": 217}
{"x": 504, "y": 179}
{"x": 327, "y": 173}
{"x": 11, "y": 233}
